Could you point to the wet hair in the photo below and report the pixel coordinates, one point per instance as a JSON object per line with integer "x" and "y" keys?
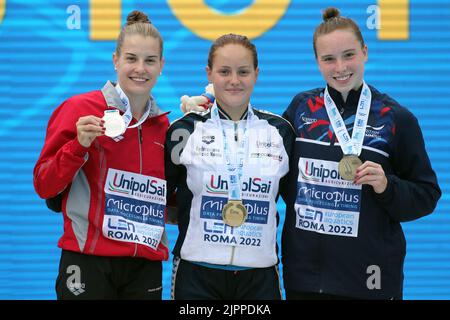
{"x": 232, "y": 38}
{"x": 138, "y": 23}
{"x": 332, "y": 20}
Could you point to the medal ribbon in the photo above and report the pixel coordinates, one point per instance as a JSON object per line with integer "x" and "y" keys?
{"x": 234, "y": 166}
{"x": 127, "y": 116}
{"x": 350, "y": 145}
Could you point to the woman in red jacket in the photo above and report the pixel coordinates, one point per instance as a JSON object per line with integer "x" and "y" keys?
{"x": 112, "y": 187}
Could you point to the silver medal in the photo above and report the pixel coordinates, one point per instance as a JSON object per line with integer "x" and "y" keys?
{"x": 114, "y": 123}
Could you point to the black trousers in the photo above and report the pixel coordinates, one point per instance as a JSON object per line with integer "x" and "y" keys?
{"x": 85, "y": 277}
{"x": 191, "y": 281}
{"x": 295, "y": 295}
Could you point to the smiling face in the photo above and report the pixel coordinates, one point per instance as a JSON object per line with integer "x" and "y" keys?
{"x": 233, "y": 75}
{"x": 341, "y": 60}
{"x": 138, "y": 65}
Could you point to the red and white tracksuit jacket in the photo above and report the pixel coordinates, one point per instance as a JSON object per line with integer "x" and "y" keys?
{"x": 80, "y": 173}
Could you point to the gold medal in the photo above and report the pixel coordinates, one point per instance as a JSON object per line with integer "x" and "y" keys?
{"x": 347, "y": 167}
{"x": 234, "y": 213}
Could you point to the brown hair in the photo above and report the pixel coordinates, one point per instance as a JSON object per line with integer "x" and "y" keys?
{"x": 138, "y": 23}
{"x": 332, "y": 20}
{"x": 232, "y": 38}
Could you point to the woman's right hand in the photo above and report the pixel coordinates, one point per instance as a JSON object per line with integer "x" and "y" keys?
{"x": 89, "y": 128}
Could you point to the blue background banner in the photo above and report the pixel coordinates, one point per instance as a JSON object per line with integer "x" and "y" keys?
{"x": 51, "y": 50}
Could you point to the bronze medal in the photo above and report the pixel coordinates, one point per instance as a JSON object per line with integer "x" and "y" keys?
{"x": 347, "y": 167}
{"x": 234, "y": 213}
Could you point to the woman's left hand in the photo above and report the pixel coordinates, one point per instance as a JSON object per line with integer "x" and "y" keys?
{"x": 371, "y": 173}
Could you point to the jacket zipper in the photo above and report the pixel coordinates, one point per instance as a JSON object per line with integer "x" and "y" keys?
{"x": 332, "y": 140}
{"x": 233, "y": 248}
{"x": 232, "y": 254}
{"x": 140, "y": 140}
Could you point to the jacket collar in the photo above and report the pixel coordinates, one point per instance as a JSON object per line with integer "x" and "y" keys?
{"x": 113, "y": 100}
{"x": 352, "y": 98}
{"x": 225, "y": 116}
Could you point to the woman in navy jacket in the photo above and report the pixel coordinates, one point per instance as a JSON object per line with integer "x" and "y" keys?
{"x": 360, "y": 169}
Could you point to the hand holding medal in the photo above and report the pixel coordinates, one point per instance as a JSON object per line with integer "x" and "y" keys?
{"x": 89, "y": 128}
{"x": 372, "y": 173}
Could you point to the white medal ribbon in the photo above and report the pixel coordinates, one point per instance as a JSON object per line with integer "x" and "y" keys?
{"x": 127, "y": 116}
{"x": 233, "y": 167}
{"x": 112, "y": 115}
{"x": 350, "y": 145}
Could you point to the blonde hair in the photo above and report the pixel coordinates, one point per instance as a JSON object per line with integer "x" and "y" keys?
{"x": 138, "y": 23}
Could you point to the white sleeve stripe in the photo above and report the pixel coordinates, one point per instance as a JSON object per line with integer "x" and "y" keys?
{"x": 337, "y": 144}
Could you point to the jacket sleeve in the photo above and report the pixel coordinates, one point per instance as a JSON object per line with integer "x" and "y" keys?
{"x": 176, "y": 140}
{"x": 413, "y": 189}
{"x": 289, "y": 113}
{"x": 62, "y": 155}
{"x": 286, "y": 182}
{"x": 288, "y": 135}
